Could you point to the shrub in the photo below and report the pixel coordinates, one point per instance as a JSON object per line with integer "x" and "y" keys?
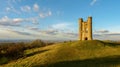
{"x": 36, "y": 43}
{"x": 3, "y": 60}
{"x": 13, "y": 51}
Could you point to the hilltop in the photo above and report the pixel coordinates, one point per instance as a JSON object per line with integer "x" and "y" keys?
{"x": 71, "y": 54}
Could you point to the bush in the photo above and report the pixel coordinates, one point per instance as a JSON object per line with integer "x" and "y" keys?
{"x": 36, "y": 43}
{"x": 13, "y": 51}
{"x": 3, "y": 60}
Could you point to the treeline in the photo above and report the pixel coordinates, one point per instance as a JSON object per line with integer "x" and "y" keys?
{"x": 13, "y": 51}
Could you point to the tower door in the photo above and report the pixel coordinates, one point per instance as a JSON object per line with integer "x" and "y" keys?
{"x": 86, "y": 38}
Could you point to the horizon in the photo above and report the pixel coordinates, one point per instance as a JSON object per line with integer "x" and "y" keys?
{"x": 58, "y": 19}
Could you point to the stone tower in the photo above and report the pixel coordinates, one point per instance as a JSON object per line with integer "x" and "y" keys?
{"x": 85, "y": 29}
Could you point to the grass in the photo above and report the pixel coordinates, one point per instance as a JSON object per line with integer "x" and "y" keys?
{"x": 71, "y": 54}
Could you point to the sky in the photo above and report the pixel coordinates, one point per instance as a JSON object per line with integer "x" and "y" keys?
{"x": 58, "y": 19}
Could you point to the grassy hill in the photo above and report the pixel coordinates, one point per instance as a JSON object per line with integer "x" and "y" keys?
{"x": 71, "y": 54}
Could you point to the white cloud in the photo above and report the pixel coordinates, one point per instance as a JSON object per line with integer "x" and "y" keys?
{"x": 12, "y": 9}
{"x": 53, "y": 34}
{"x": 26, "y": 8}
{"x": 62, "y": 30}
{"x": 6, "y": 21}
{"x": 45, "y": 14}
{"x": 58, "y": 31}
{"x": 101, "y": 31}
{"x": 59, "y": 34}
{"x": 60, "y": 26}
{"x": 34, "y": 20}
{"x": 17, "y": 34}
{"x": 36, "y": 7}
{"x": 8, "y": 9}
{"x": 42, "y": 15}
{"x": 5, "y": 35}
{"x": 33, "y": 28}
{"x": 107, "y": 36}
{"x": 65, "y": 27}
{"x": 93, "y": 2}
{"x": 18, "y": 20}
{"x": 20, "y": 32}
{"x": 49, "y": 13}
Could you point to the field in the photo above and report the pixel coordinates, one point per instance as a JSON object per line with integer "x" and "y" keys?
{"x": 93, "y": 53}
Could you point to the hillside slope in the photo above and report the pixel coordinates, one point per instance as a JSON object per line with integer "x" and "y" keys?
{"x": 71, "y": 54}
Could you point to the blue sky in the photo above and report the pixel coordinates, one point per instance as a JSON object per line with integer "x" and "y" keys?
{"x": 58, "y": 19}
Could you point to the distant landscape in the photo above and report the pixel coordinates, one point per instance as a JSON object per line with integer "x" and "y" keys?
{"x": 29, "y": 40}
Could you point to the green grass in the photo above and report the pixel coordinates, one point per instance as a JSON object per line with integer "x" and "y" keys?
{"x": 71, "y": 54}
